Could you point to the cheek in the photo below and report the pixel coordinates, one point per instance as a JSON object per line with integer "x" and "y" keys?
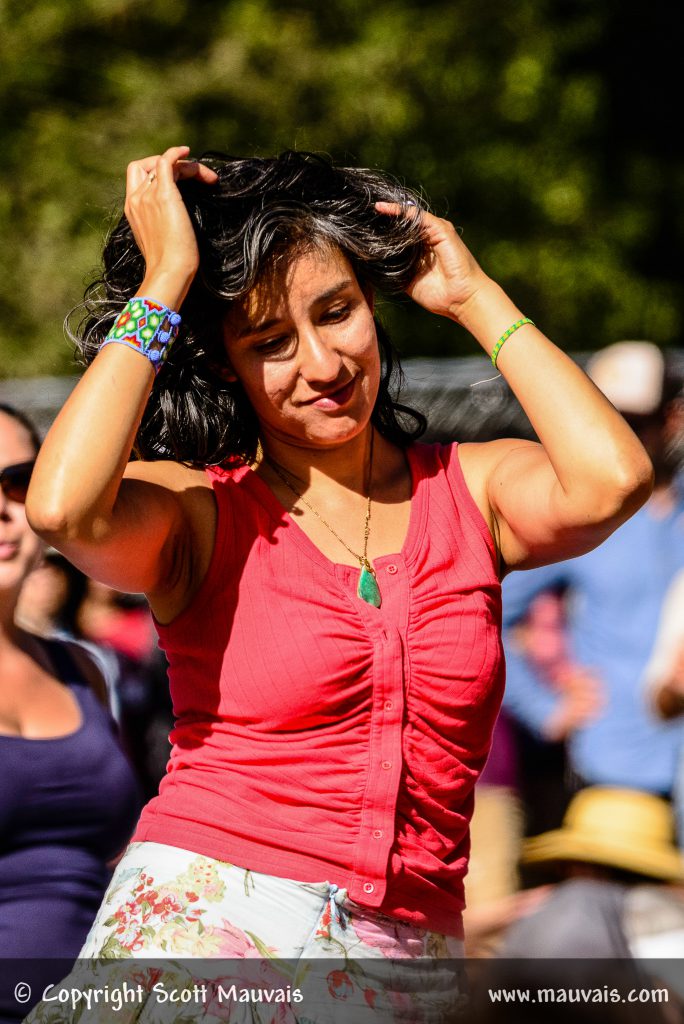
{"x": 267, "y": 387}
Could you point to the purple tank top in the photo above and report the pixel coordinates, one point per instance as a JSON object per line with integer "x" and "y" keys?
{"x": 67, "y": 806}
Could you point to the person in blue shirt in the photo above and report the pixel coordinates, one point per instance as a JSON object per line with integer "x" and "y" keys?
{"x": 614, "y": 596}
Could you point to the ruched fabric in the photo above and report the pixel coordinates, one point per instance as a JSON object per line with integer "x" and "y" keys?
{"x": 318, "y": 736}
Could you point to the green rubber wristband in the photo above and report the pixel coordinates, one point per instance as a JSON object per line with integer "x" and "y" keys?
{"x": 506, "y": 335}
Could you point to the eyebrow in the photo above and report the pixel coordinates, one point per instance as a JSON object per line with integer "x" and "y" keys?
{"x": 266, "y": 325}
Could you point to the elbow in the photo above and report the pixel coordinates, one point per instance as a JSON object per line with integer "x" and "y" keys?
{"x": 637, "y": 482}
{"x": 50, "y": 523}
{"x": 51, "y": 520}
{"x": 629, "y": 486}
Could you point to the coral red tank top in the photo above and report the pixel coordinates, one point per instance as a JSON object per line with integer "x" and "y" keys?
{"x": 320, "y": 738}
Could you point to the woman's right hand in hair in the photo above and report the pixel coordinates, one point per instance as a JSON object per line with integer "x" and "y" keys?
{"x": 160, "y": 222}
{"x": 148, "y": 526}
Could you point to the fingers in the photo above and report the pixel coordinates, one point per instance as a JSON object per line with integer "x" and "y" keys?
{"x": 165, "y": 169}
{"x": 137, "y": 172}
{"x": 407, "y": 209}
{"x": 435, "y": 229}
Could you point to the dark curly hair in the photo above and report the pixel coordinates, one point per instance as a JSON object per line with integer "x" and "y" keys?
{"x": 260, "y": 211}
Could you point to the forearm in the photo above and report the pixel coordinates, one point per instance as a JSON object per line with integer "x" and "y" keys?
{"x": 81, "y": 464}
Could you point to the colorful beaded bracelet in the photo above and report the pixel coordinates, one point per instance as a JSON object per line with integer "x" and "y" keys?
{"x": 147, "y": 326}
{"x": 506, "y": 335}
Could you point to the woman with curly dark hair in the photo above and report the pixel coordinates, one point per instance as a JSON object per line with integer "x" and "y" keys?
{"x": 325, "y": 588}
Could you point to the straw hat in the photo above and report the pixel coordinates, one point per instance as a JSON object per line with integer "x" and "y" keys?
{"x": 623, "y": 828}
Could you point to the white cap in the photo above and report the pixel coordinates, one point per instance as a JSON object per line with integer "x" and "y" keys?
{"x": 631, "y": 374}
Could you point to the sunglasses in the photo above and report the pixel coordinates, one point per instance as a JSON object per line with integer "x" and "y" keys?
{"x": 14, "y": 480}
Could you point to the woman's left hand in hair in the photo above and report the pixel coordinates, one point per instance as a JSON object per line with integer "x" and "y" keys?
{"x": 590, "y": 473}
{"x": 449, "y": 275}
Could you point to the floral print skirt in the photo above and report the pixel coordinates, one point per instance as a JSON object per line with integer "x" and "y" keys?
{"x": 190, "y": 938}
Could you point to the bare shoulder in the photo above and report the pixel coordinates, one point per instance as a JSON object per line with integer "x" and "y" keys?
{"x": 191, "y": 542}
{"x": 188, "y": 488}
{"x": 480, "y": 462}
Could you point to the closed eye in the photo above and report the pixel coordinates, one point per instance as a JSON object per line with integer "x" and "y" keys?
{"x": 336, "y": 314}
{"x": 272, "y": 344}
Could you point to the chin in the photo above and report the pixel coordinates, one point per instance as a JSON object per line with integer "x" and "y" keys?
{"x": 334, "y": 434}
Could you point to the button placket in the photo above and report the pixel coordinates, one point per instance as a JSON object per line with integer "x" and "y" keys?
{"x": 379, "y": 813}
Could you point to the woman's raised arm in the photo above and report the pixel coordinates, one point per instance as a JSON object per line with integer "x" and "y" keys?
{"x": 561, "y": 497}
{"x": 121, "y": 523}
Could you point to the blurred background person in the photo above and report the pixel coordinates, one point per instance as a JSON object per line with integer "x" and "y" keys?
{"x": 664, "y": 679}
{"x": 523, "y": 783}
{"x": 592, "y": 697}
{"x": 116, "y": 629}
{"x": 69, "y": 798}
{"x": 613, "y": 919}
{"x": 51, "y": 596}
{"x": 612, "y": 843}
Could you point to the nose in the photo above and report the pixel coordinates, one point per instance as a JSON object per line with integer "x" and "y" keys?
{"x": 319, "y": 362}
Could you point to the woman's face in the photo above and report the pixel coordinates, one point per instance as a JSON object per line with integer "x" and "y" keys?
{"x": 304, "y": 347}
{"x": 20, "y": 548}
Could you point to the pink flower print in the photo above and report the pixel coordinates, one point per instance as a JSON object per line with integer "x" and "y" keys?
{"x": 144, "y": 883}
{"x": 147, "y": 896}
{"x": 340, "y": 985}
{"x": 369, "y": 995}
{"x": 234, "y": 942}
{"x": 147, "y": 978}
{"x": 401, "y": 1002}
{"x": 191, "y": 897}
{"x": 129, "y": 935}
{"x": 166, "y": 907}
{"x": 214, "y": 1006}
{"x": 394, "y": 939}
{"x": 127, "y": 918}
{"x": 324, "y": 927}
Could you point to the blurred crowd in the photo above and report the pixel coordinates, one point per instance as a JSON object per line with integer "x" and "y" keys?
{"x": 578, "y": 831}
{"x": 579, "y": 821}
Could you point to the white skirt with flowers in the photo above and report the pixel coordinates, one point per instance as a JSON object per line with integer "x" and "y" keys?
{"x": 186, "y": 938}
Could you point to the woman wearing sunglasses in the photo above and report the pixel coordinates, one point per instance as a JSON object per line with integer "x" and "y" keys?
{"x": 68, "y": 796}
{"x": 325, "y": 588}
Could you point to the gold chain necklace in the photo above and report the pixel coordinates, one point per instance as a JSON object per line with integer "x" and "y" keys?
{"x": 367, "y": 589}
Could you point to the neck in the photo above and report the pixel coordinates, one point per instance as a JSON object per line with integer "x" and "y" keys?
{"x": 346, "y": 464}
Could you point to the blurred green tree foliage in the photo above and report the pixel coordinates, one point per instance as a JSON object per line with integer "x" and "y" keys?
{"x": 540, "y": 127}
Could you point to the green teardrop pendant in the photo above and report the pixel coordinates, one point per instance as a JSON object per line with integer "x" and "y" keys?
{"x": 368, "y": 589}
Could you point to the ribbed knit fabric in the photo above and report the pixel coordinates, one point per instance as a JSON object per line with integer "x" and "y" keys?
{"x": 318, "y": 737}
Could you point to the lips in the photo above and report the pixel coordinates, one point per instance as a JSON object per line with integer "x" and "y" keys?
{"x": 334, "y": 399}
{"x": 8, "y": 549}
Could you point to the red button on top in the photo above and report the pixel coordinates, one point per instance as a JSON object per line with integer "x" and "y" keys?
{"x": 377, "y": 833}
{"x": 388, "y": 705}
{"x": 368, "y": 887}
{"x": 391, "y": 569}
{"x": 386, "y": 765}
